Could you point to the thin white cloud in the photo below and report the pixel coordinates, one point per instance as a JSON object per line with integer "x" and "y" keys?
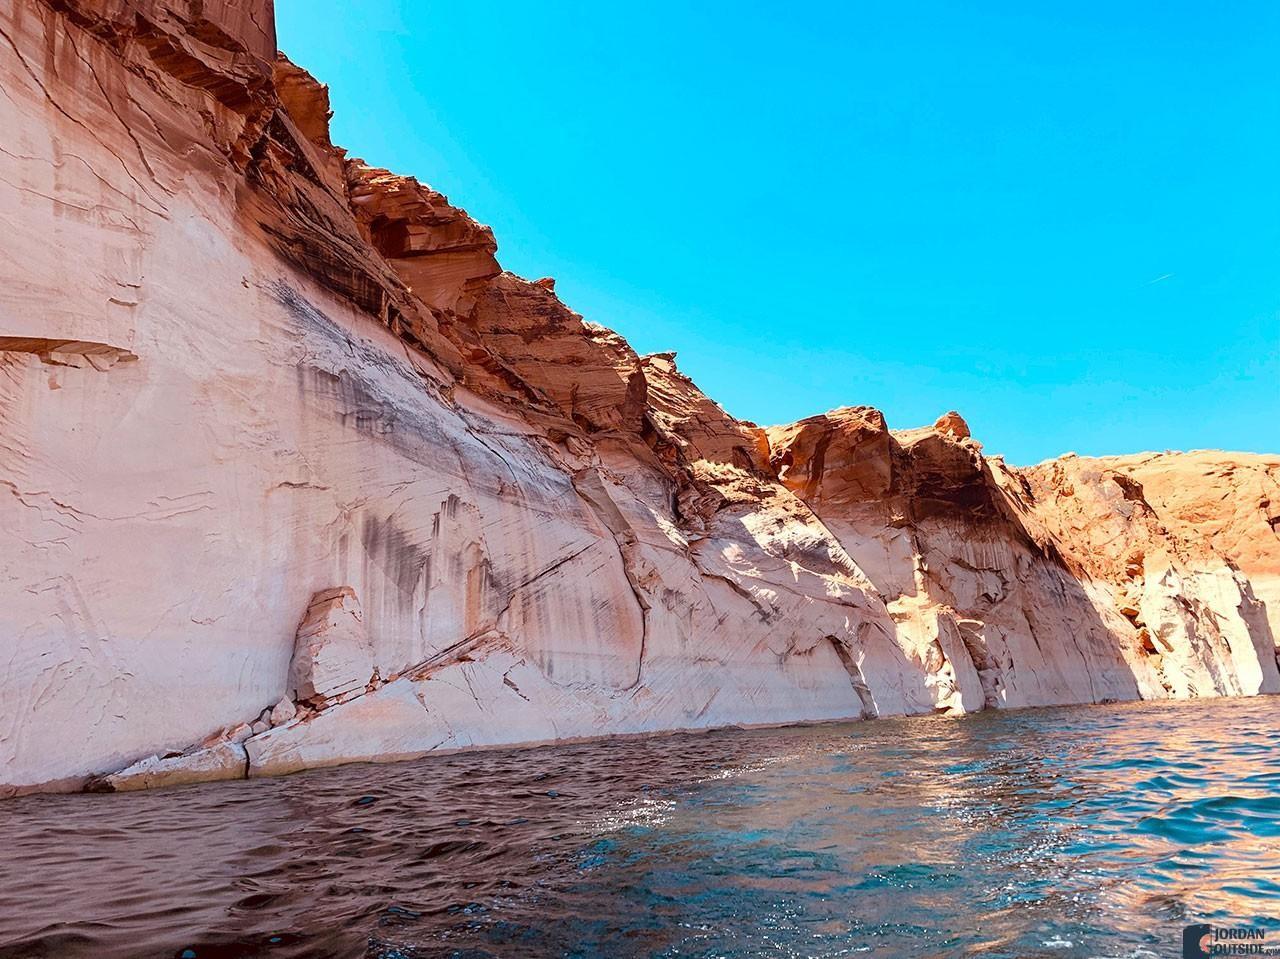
{"x": 1158, "y": 279}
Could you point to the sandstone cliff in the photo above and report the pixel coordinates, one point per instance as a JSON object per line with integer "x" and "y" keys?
{"x": 294, "y": 474}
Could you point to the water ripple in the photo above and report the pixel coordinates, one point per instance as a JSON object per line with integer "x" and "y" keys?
{"x": 1079, "y": 833}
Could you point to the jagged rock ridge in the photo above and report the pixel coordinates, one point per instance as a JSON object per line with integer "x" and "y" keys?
{"x": 295, "y": 474}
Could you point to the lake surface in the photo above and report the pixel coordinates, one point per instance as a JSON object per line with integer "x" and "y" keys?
{"x": 1094, "y": 831}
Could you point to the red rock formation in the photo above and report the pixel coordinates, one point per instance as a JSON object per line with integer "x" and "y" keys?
{"x": 1045, "y": 575}
{"x": 248, "y": 383}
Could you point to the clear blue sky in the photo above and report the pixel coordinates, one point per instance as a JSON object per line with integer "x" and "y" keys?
{"x": 1064, "y": 223}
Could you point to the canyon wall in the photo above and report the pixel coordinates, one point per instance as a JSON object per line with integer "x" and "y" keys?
{"x": 292, "y": 473}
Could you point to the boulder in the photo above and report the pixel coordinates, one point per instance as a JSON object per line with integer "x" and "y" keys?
{"x": 332, "y": 655}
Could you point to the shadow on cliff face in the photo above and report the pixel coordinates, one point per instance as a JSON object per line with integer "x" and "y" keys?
{"x": 991, "y": 610}
{"x": 1009, "y": 587}
{"x": 364, "y": 386}
{"x": 388, "y": 399}
{"x": 975, "y": 526}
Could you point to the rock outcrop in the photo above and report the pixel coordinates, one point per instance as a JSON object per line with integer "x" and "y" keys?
{"x": 294, "y": 474}
{"x": 332, "y": 655}
{"x": 1059, "y": 583}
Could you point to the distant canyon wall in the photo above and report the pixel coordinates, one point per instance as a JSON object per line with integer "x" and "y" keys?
{"x": 292, "y": 473}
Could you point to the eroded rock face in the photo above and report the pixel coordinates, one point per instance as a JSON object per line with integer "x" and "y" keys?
{"x": 332, "y": 655}
{"x": 1183, "y": 560}
{"x": 1054, "y": 584}
{"x": 292, "y": 474}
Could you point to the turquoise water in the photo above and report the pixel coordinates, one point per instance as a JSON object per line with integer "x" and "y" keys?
{"x": 1074, "y": 832}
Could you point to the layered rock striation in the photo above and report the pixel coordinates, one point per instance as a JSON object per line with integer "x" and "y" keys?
{"x": 292, "y": 473}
